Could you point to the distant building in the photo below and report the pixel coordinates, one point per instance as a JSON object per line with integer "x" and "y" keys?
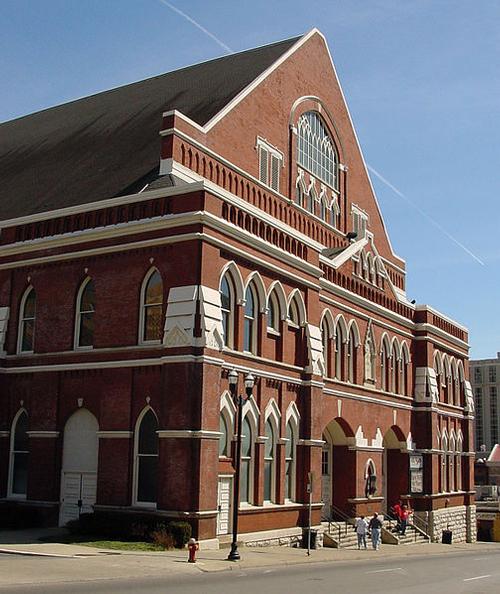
{"x": 485, "y": 379}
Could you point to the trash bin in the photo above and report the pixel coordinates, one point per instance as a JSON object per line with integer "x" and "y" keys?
{"x": 305, "y": 535}
{"x": 446, "y": 537}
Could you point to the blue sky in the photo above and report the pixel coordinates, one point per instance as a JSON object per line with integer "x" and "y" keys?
{"x": 421, "y": 80}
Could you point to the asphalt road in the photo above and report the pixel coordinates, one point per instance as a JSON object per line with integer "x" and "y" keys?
{"x": 471, "y": 573}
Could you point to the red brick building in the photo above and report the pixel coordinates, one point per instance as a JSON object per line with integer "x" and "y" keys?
{"x": 155, "y": 237}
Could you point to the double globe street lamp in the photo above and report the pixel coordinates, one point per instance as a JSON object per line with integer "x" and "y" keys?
{"x": 239, "y": 401}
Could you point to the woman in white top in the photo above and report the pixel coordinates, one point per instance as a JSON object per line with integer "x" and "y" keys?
{"x": 361, "y": 530}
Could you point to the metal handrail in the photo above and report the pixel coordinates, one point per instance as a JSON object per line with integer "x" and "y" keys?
{"x": 344, "y": 518}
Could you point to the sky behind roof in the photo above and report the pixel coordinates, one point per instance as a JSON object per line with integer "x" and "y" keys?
{"x": 421, "y": 81}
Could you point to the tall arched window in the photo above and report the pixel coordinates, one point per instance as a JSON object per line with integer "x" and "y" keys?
{"x": 27, "y": 313}
{"x": 146, "y": 459}
{"x": 224, "y": 450}
{"x": 315, "y": 149}
{"x": 227, "y": 307}
{"x": 339, "y": 354}
{"x": 351, "y": 355}
{"x": 273, "y": 313}
{"x": 269, "y": 462}
{"x": 246, "y": 462}
{"x": 290, "y": 462}
{"x": 152, "y": 308}
{"x": 85, "y": 310}
{"x": 325, "y": 335}
{"x": 19, "y": 454}
{"x": 250, "y": 321}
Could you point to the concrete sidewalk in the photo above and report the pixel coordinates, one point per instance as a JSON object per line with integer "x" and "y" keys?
{"x": 27, "y": 543}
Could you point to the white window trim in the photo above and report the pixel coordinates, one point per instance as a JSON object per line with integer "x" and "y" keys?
{"x": 76, "y": 345}
{"x": 20, "y": 326}
{"x": 142, "y": 317}
{"x": 135, "y": 477}
{"x": 272, "y": 151}
{"x": 10, "y": 478}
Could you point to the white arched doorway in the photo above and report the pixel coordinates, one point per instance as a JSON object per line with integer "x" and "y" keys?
{"x": 79, "y": 467}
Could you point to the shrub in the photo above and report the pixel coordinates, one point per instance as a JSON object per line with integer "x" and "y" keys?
{"x": 181, "y": 532}
{"x": 132, "y": 526}
{"x": 163, "y": 538}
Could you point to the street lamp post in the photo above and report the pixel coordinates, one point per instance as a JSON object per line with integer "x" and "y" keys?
{"x": 239, "y": 402}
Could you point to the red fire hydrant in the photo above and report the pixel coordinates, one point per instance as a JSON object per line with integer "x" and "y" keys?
{"x": 193, "y": 546}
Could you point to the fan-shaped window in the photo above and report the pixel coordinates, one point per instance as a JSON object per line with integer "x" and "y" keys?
{"x": 147, "y": 459}
{"x": 227, "y": 307}
{"x": 269, "y": 462}
{"x": 19, "y": 454}
{"x": 250, "y": 324}
{"x": 152, "y": 307}
{"x": 316, "y": 152}
{"x": 246, "y": 461}
{"x": 27, "y": 312}
{"x": 85, "y": 310}
{"x": 290, "y": 458}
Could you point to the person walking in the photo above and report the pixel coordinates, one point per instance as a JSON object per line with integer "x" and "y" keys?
{"x": 361, "y": 530}
{"x": 375, "y": 527}
{"x": 396, "y": 510}
{"x": 404, "y": 516}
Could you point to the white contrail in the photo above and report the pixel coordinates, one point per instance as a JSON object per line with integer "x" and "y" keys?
{"x": 200, "y": 27}
{"x": 424, "y": 214}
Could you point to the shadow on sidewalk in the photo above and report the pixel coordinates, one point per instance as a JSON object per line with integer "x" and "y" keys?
{"x": 34, "y": 536}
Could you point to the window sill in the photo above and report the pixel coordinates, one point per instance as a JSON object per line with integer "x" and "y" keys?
{"x": 273, "y": 332}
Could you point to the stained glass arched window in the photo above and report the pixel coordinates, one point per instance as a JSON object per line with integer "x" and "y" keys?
{"x": 315, "y": 149}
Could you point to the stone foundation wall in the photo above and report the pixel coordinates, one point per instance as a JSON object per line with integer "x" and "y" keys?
{"x": 460, "y": 520}
{"x": 284, "y": 537}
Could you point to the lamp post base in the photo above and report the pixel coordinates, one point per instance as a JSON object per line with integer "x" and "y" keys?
{"x": 234, "y": 555}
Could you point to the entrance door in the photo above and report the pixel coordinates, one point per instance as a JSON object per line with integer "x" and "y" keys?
{"x": 326, "y": 483}
{"x": 224, "y": 505}
{"x": 79, "y": 470}
{"x": 79, "y": 495}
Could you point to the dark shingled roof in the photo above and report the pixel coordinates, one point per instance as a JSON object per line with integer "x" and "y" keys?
{"x": 106, "y": 145}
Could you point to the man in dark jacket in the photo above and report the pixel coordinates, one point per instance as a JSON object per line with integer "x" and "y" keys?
{"x": 375, "y": 527}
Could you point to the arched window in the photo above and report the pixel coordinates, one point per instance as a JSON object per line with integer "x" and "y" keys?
{"x": 246, "y": 462}
{"x": 250, "y": 321}
{"x": 27, "y": 313}
{"x": 19, "y": 454}
{"x": 299, "y": 195}
{"x": 224, "y": 437}
{"x": 290, "y": 462}
{"x": 351, "y": 355}
{"x": 146, "y": 459}
{"x": 385, "y": 366}
{"x": 227, "y": 307}
{"x": 403, "y": 382}
{"x": 273, "y": 314}
{"x": 339, "y": 354}
{"x": 269, "y": 462}
{"x": 326, "y": 339}
{"x": 444, "y": 464}
{"x": 315, "y": 149}
{"x": 85, "y": 310}
{"x": 152, "y": 308}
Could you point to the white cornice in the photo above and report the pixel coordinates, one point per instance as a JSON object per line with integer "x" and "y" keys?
{"x": 188, "y": 434}
{"x": 342, "y": 257}
{"x": 47, "y": 434}
{"x": 115, "y": 434}
{"x": 440, "y": 315}
{"x": 99, "y": 205}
